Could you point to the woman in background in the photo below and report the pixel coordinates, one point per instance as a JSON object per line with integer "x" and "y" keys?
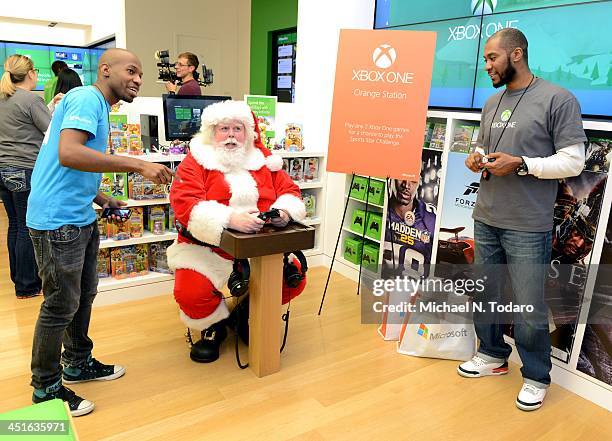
{"x": 24, "y": 119}
{"x": 67, "y": 79}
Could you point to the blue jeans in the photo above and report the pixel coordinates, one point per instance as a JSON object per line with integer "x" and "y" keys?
{"x": 526, "y": 256}
{"x": 14, "y": 190}
{"x": 67, "y": 258}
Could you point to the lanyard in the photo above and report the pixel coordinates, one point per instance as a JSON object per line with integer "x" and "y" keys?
{"x": 511, "y": 114}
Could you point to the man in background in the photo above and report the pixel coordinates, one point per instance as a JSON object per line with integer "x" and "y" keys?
{"x": 186, "y": 66}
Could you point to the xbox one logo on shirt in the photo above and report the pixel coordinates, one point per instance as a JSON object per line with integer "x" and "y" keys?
{"x": 384, "y": 56}
{"x": 505, "y": 116}
{"x": 483, "y": 6}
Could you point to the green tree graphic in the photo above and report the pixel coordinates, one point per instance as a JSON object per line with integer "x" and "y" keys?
{"x": 586, "y": 70}
{"x": 595, "y": 73}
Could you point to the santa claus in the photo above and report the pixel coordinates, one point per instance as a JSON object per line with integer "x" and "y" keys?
{"x": 225, "y": 181}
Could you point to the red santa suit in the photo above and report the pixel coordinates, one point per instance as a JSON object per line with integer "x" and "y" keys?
{"x": 204, "y": 194}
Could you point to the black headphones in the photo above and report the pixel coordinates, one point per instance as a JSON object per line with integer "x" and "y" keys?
{"x": 291, "y": 274}
{"x": 238, "y": 282}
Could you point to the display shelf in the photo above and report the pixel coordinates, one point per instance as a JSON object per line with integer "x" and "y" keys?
{"x": 363, "y": 202}
{"x": 312, "y": 221}
{"x": 147, "y": 237}
{"x": 355, "y": 267}
{"x": 312, "y": 252}
{"x": 110, "y": 283}
{"x": 302, "y": 154}
{"x": 348, "y": 230}
{"x": 156, "y": 157}
{"x": 312, "y": 184}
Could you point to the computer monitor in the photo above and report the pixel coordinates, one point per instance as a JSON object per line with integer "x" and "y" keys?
{"x": 183, "y": 114}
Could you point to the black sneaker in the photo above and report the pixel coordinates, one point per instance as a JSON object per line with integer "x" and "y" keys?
{"x": 78, "y": 406}
{"x": 92, "y": 370}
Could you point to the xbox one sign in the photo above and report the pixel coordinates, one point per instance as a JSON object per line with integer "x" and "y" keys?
{"x": 483, "y": 6}
{"x": 384, "y": 56}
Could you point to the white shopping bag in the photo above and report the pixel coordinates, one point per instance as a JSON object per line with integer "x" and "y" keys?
{"x": 437, "y": 335}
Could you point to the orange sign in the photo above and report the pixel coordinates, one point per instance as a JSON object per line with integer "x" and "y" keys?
{"x": 380, "y": 101}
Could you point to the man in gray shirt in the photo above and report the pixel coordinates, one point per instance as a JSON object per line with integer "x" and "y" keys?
{"x": 530, "y": 135}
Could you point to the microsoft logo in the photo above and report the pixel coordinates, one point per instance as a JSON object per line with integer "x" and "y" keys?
{"x": 506, "y": 114}
{"x": 483, "y": 6}
{"x": 384, "y": 56}
{"x": 423, "y": 331}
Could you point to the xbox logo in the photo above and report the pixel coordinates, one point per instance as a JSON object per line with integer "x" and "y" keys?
{"x": 483, "y": 6}
{"x": 384, "y": 56}
{"x": 505, "y": 116}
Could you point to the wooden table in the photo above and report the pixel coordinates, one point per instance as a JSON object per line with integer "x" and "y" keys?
{"x": 265, "y": 250}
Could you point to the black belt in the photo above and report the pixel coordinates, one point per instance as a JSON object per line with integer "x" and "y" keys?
{"x": 187, "y": 235}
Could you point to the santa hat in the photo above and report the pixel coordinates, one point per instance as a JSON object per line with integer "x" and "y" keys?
{"x": 230, "y": 110}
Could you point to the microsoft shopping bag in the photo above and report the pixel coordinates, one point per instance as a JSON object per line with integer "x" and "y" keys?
{"x": 427, "y": 332}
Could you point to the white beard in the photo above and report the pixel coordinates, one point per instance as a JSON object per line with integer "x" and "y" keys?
{"x": 231, "y": 158}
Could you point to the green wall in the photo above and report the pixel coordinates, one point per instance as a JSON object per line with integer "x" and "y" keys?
{"x": 267, "y": 16}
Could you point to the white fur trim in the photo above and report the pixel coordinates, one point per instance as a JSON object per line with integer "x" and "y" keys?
{"x": 207, "y": 221}
{"x": 243, "y": 189}
{"x": 294, "y": 205}
{"x": 274, "y": 162}
{"x": 200, "y": 324}
{"x": 200, "y": 259}
{"x": 205, "y": 155}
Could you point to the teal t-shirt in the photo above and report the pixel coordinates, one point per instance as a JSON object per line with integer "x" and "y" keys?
{"x": 62, "y": 195}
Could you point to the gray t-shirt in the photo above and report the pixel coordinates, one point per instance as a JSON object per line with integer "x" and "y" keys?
{"x": 24, "y": 119}
{"x": 547, "y": 119}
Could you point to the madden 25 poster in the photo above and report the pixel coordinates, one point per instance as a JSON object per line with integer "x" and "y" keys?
{"x": 411, "y": 219}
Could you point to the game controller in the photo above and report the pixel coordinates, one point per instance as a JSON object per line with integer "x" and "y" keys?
{"x": 122, "y": 213}
{"x": 273, "y": 213}
{"x": 374, "y": 226}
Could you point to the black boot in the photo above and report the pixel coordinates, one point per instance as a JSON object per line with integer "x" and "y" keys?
{"x": 239, "y": 319}
{"x": 206, "y": 350}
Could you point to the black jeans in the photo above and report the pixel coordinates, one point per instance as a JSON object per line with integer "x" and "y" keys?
{"x": 67, "y": 259}
{"x": 14, "y": 191}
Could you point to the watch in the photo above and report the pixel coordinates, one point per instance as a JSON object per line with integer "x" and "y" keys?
{"x": 522, "y": 169}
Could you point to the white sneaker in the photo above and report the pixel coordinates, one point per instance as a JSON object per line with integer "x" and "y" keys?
{"x": 478, "y": 367}
{"x": 530, "y": 397}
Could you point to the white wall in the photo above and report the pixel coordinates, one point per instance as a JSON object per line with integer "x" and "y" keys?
{"x": 79, "y": 21}
{"x": 218, "y": 32}
{"x": 315, "y": 71}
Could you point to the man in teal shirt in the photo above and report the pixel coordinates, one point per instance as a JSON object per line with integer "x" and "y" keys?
{"x": 64, "y": 229}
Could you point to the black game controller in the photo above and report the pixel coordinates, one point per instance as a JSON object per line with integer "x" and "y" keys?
{"x": 374, "y": 226}
{"x": 122, "y": 214}
{"x": 358, "y": 221}
{"x": 273, "y": 213}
